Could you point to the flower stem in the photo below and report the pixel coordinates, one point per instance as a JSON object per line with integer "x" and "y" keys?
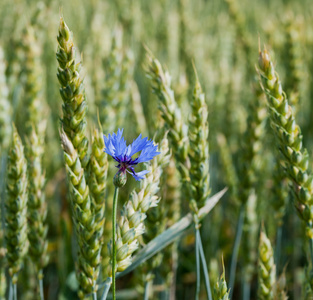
{"x": 236, "y": 251}
{"x": 115, "y": 198}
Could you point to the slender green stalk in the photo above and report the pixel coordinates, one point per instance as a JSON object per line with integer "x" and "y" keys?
{"x": 198, "y": 267}
{"x": 205, "y": 267}
{"x": 14, "y": 291}
{"x": 234, "y": 257}
{"x": 279, "y": 234}
{"x": 107, "y": 285}
{"x": 11, "y": 290}
{"x": 147, "y": 290}
{"x": 94, "y": 296}
{"x": 311, "y": 250}
{"x": 42, "y": 297}
{"x": 246, "y": 290}
{"x": 115, "y": 199}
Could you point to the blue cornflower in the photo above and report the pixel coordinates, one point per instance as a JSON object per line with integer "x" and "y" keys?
{"x": 115, "y": 145}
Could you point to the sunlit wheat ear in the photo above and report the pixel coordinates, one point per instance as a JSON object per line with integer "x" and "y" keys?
{"x": 16, "y": 207}
{"x": 199, "y": 147}
{"x": 294, "y": 158}
{"x": 88, "y": 239}
{"x": 72, "y": 92}
{"x": 110, "y": 93}
{"x": 231, "y": 176}
{"x": 32, "y": 75}
{"x": 280, "y": 194}
{"x": 35, "y": 130}
{"x": 156, "y": 220}
{"x": 250, "y": 233}
{"x": 5, "y": 108}
{"x": 293, "y": 59}
{"x": 98, "y": 170}
{"x": 37, "y": 206}
{"x": 252, "y": 143}
{"x": 267, "y": 269}
{"x": 75, "y": 145}
{"x": 178, "y": 131}
{"x": 118, "y": 78}
{"x": 98, "y": 174}
{"x": 220, "y": 288}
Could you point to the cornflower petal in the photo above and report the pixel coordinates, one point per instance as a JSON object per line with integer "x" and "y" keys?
{"x": 148, "y": 153}
{"x": 138, "y": 144}
{"x": 115, "y": 145}
{"x": 139, "y": 175}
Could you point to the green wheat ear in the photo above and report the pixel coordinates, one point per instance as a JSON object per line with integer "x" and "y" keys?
{"x": 16, "y": 207}
{"x": 220, "y": 288}
{"x": 72, "y": 92}
{"x": 267, "y": 268}
{"x": 171, "y": 113}
{"x": 35, "y": 129}
{"x": 199, "y": 147}
{"x": 294, "y": 158}
{"x": 5, "y": 107}
{"x": 87, "y": 212}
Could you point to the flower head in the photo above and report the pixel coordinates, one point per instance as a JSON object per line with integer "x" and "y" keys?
{"x": 115, "y": 145}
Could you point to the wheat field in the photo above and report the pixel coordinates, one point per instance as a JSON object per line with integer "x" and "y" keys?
{"x": 156, "y": 149}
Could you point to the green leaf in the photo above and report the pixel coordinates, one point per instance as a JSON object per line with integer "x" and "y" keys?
{"x": 168, "y": 236}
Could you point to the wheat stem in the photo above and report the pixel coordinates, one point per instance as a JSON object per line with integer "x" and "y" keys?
{"x": 147, "y": 290}
{"x": 205, "y": 268}
{"x": 115, "y": 199}
{"x": 278, "y": 247}
{"x": 234, "y": 256}
{"x": 14, "y": 291}
{"x": 197, "y": 267}
{"x": 42, "y": 297}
